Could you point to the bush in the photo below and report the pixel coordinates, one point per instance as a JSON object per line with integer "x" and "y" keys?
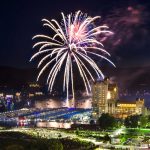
{"x": 55, "y": 145}
{"x": 14, "y": 147}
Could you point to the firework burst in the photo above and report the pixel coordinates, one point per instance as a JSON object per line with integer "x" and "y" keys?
{"x": 74, "y": 41}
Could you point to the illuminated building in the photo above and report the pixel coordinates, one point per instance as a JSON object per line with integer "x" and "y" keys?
{"x": 104, "y": 96}
{"x": 2, "y": 95}
{"x": 34, "y": 89}
{"x": 33, "y": 85}
{"x": 105, "y": 100}
{"x": 31, "y": 95}
{"x": 125, "y": 109}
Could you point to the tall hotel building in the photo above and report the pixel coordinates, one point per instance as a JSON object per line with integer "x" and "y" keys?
{"x": 104, "y": 97}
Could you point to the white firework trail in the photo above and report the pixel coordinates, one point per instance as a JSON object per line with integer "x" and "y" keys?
{"x": 75, "y": 39}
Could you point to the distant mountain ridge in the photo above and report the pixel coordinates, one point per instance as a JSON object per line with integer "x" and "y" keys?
{"x": 127, "y": 77}
{"x": 14, "y": 77}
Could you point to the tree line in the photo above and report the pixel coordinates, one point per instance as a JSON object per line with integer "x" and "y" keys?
{"x": 107, "y": 121}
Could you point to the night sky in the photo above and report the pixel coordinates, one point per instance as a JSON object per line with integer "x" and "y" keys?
{"x": 21, "y": 20}
{"x": 128, "y": 19}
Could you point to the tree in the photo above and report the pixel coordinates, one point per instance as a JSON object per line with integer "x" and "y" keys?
{"x": 106, "y": 121}
{"x": 77, "y": 131}
{"x": 148, "y": 121}
{"x": 92, "y": 122}
{"x": 132, "y": 121}
{"x": 2, "y": 107}
{"x": 143, "y": 121}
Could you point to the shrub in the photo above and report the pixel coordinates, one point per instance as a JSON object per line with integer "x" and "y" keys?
{"x": 14, "y": 147}
{"x": 55, "y": 145}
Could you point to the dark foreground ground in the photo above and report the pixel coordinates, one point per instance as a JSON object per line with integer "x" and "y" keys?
{"x": 20, "y": 141}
